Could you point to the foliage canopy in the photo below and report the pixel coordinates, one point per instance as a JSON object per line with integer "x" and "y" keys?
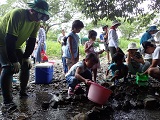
{"x": 111, "y": 9}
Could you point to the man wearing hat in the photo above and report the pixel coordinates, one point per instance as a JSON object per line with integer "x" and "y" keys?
{"x": 135, "y": 60}
{"x": 113, "y": 39}
{"x": 147, "y": 36}
{"x": 17, "y": 27}
{"x": 154, "y": 68}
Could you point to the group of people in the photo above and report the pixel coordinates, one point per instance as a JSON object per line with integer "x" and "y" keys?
{"x": 15, "y": 30}
{"x": 122, "y": 65}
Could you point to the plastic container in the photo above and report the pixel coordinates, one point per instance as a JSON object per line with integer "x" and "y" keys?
{"x": 98, "y": 93}
{"x": 142, "y": 79}
{"x": 43, "y": 73}
{"x": 51, "y": 61}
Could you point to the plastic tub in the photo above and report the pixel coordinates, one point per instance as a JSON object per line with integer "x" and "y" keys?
{"x": 98, "y": 93}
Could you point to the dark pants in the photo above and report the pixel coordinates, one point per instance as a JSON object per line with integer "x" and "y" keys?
{"x": 65, "y": 67}
{"x": 113, "y": 51}
{"x": 7, "y": 75}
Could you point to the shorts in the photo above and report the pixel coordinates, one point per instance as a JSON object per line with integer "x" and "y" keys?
{"x": 72, "y": 81}
{"x": 68, "y": 62}
{"x": 106, "y": 47}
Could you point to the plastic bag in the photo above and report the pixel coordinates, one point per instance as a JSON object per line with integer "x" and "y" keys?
{"x": 44, "y": 57}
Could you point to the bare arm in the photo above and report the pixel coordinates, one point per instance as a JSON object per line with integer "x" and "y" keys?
{"x": 154, "y": 64}
{"x": 70, "y": 48}
{"x": 79, "y": 77}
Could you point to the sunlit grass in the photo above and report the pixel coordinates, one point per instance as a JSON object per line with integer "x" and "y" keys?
{"x": 54, "y": 48}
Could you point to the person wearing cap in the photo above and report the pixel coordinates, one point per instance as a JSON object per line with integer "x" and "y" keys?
{"x": 104, "y": 39}
{"x": 154, "y": 68}
{"x": 148, "y": 34}
{"x": 113, "y": 39}
{"x": 134, "y": 60}
{"x": 17, "y": 27}
{"x": 145, "y": 37}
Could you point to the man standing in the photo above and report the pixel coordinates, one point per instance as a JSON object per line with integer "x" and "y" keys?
{"x": 17, "y": 27}
{"x": 113, "y": 39}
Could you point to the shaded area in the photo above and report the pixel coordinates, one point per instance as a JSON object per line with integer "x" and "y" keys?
{"x": 50, "y": 102}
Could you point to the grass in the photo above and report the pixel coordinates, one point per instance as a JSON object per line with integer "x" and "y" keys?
{"x": 54, "y": 48}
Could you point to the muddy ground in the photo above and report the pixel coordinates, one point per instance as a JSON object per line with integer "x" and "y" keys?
{"x": 49, "y": 101}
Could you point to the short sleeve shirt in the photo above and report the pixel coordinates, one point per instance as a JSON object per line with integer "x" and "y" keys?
{"x": 73, "y": 69}
{"x": 113, "y": 67}
{"x": 156, "y": 55}
{"x": 18, "y": 24}
{"x": 75, "y": 43}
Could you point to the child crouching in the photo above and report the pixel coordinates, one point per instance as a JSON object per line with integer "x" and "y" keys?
{"x": 80, "y": 72}
{"x": 118, "y": 68}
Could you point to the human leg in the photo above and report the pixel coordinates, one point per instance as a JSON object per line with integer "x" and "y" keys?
{"x": 24, "y": 73}
{"x": 65, "y": 67}
{"x": 95, "y": 74}
{"x": 108, "y": 56}
{"x": 144, "y": 66}
{"x": 112, "y": 51}
{"x": 6, "y": 77}
{"x": 154, "y": 72}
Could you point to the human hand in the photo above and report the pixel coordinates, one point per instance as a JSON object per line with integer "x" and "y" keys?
{"x": 16, "y": 67}
{"x": 27, "y": 62}
{"x": 88, "y": 81}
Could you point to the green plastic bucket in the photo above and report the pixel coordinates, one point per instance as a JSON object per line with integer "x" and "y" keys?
{"x": 142, "y": 79}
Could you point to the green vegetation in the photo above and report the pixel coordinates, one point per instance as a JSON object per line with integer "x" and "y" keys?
{"x": 124, "y": 43}
{"x": 54, "y": 48}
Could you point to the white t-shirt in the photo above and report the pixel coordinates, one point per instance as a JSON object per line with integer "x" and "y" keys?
{"x": 63, "y": 50}
{"x": 156, "y": 55}
{"x": 73, "y": 69}
{"x": 113, "y": 38}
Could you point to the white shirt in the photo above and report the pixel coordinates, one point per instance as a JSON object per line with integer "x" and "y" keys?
{"x": 156, "y": 54}
{"x": 113, "y": 38}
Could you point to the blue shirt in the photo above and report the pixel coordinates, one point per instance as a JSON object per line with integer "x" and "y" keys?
{"x": 102, "y": 36}
{"x": 145, "y": 37}
{"x": 113, "y": 67}
{"x": 75, "y": 41}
